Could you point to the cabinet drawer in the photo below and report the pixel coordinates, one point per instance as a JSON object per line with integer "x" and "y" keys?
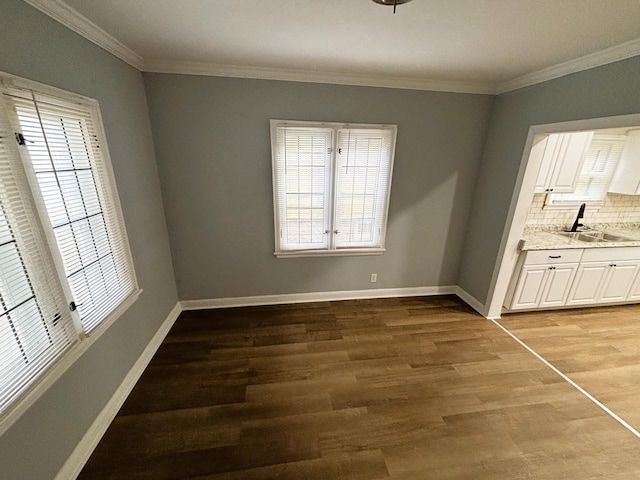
{"x": 611, "y": 254}
{"x": 545, "y": 257}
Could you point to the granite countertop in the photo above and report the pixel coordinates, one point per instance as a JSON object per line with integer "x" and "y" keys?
{"x": 546, "y": 238}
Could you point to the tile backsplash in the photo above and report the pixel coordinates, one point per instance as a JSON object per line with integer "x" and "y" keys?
{"x": 615, "y": 209}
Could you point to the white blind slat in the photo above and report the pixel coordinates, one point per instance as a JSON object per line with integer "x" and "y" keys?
{"x": 74, "y": 185}
{"x": 58, "y": 208}
{"x": 326, "y": 199}
{"x": 35, "y": 323}
{"x": 363, "y": 175}
{"x": 303, "y": 168}
{"x": 599, "y": 166}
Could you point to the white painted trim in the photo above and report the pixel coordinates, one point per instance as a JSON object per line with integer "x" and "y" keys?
{"x": 586, "y": 62}
{"x": 521, "y": 201}
{"x": 310, "y": 76}
{"x": 74, "y": 464}
{"x": 66, "y": 359}
{"x": 316, "y": 297}
{"x": 70, "y": 18}
{"x": 470, "y": 300}
{"x": 568, "y": 380}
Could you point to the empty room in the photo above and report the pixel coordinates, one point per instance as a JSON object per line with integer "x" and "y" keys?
{"x": 319, "y": 239}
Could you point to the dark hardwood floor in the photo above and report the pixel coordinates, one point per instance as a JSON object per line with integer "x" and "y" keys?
{"x": 414, "y": 388}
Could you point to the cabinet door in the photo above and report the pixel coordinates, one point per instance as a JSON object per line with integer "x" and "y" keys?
{"x": 634, "y": 292}
{"x": 588, "y": 282}
{"x": 569, "y": 161}
{"x": 545, "y": 149}
{"x": 556, "y": 289}
{"x": 529, "y": 288}
{"x": 619, "y": 280}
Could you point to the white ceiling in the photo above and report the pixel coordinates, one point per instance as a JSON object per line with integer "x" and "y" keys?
{"x": 479, "y": 43}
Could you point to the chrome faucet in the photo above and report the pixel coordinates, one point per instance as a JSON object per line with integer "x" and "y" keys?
{"x": 576, "y": 224}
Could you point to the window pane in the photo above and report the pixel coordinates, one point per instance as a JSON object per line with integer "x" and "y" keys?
{"x": 303, "y": 184}
{"x": 363, "y": 174}
{"x": 69, "y": 168}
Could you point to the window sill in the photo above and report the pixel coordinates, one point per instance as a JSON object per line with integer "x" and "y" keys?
{"x": 343, "y": 252}
{"x": 50, "y": 375}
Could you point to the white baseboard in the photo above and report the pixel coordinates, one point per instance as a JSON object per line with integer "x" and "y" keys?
{"x": 470, "y": 300}
{"x": 74, "y": 464}
{"x": 72, "y": 467}
{"x": 316, "y": 297}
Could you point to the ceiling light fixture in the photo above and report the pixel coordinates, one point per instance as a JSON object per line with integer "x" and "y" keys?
{"x": 393, "y": 3}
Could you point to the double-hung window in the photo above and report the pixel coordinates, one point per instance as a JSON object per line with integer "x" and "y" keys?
{"x": 331, "y": 187}
{"x": 65, "y": 264}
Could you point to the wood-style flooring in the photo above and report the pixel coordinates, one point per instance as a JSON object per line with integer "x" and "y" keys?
{"x": 598, "y": 348}
{"x": 411, "y": 388}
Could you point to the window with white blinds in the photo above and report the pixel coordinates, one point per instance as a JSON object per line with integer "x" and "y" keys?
{"x": 331, "y": 187}
{"x": 597, "y": 171}
{"x": 65, "y": 264}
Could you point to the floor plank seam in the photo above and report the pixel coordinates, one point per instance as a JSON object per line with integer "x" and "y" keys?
{"x": 568, "y": 380}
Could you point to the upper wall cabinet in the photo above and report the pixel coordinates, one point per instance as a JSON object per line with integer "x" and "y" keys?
{"x": 562, "y": 157}
{"x": 626, "y": 179}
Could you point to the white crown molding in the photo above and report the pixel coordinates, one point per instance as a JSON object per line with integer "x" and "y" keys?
{"x": 63, "y": 13}
{"x": 586, "y": 62}
{"x": 310, "y": 76}
{"x": 70, "y": 18}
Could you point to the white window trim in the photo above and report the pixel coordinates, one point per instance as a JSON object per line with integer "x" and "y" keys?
{"x": 52, "y": 373}
{"x": 328, "y": 252}
{"x": 553, "y": 201}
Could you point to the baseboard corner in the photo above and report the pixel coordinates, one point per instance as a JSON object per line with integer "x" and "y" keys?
{"x": 80, "y": 455}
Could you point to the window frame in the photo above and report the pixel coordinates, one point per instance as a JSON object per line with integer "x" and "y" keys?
{"x": 554, "y": 201}
{"x": 43, "y": 380}
{"x": 331, "y": 250}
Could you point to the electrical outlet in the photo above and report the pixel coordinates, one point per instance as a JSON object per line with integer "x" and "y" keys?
{"x": 374, "y": 278}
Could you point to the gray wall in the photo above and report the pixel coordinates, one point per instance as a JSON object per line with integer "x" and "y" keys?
{"x": 36, "y": 47}
{"x": 609, "y": 90}
{"x": 213, "y": 148}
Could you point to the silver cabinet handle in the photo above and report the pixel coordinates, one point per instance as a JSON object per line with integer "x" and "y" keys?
{"x": 555, "y": 256}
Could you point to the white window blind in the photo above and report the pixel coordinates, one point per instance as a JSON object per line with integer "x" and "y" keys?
{"x": 363, "y": 176}
{"x": 35, "y": 321}
{"x": 303, "y": 172}
{"x": 65, "y": 264}
{"x": 597, "y": 171}
{"x": 331, "y": 187}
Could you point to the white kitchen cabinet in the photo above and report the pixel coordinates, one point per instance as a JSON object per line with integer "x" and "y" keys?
{"x": 619, "y": 281}
{"x": 634, "y": 292}
{"x": 603, "y": 282}
{"x": 562, "y": 161}
{"x": 588, "y": 282}
{"x": 559, "y": 280}
{"x": 529, "y": 287}
{"x": 543, "y": 286}
{"x": 626, "y": 179}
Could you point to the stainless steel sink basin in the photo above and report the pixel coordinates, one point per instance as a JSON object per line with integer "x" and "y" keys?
{"x": 582, "y": 237}
{"x": 609, "y": 237}
{"x": 595, "y": 236}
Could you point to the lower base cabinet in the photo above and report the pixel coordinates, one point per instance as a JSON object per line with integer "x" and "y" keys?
{"x": 543, "y": 286}
{"x": 557, "y": 278}
{"x": 603, "y": 282}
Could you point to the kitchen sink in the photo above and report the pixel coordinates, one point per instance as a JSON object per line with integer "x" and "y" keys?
{"x": 609, "y": 237}
{"x": 582, "y": 237}
{"x": 596, "y": 236}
